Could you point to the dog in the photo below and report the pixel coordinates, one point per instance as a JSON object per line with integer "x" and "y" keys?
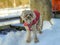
{"x": 31, "y": 23}
{"x": 45, "y": 9}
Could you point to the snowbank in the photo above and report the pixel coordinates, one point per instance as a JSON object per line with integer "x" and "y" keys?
{"x": 50, "y": 36}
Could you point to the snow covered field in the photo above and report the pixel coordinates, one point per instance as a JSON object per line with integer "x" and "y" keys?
{"x": 50, "y": 36}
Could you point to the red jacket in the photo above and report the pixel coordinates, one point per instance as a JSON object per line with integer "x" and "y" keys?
{"x": 34, "y": 21}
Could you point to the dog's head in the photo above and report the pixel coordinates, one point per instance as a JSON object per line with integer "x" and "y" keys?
{"x": 28, "y": 15}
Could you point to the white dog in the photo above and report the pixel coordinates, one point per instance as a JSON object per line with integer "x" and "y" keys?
{"x": 31, "y": 23}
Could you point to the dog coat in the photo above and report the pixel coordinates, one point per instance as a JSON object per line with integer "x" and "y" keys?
{"x": 34, "y": 20}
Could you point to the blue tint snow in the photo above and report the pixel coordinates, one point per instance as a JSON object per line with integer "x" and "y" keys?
{"x": 50, "y": 35}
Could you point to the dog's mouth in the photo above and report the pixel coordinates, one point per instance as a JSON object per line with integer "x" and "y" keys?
{"x": 28, "y": 20}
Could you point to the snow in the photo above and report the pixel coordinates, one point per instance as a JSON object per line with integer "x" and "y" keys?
{"x": 14, "y": 21}
{"x": 50, "y": 36}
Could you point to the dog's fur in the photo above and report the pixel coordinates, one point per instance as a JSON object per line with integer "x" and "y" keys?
{"x": 28, "y": 16}
{"x": 44, "y": 7}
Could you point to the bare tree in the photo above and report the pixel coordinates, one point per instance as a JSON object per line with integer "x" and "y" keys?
{"x": 43, "y": 6}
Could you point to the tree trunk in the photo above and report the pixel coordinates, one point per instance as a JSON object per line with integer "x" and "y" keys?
{"x": 43, "y": 6}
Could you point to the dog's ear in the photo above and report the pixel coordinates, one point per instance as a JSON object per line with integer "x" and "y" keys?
{"x": 21, "y": 20}
{"x": 21, "y": 17}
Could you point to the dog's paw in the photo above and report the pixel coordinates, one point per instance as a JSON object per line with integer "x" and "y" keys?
{"x": 40, "y": 32}
{"x": 36, "y": 40}
{"x": 28, "y": 41}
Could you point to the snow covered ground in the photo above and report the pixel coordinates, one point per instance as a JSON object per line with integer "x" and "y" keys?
{"x": 50, "y": 36}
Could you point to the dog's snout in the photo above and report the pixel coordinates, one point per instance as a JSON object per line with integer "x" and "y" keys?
{"x": 28, "y": 17}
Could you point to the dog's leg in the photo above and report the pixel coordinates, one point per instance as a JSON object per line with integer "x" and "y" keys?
{"x": 39, "y": 28}
{"x": 40, "y": 25}
{"x": 35, "y": 34}
{"x": 28, "y": 35}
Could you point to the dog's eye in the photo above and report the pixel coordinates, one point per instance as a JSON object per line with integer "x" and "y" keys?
{"x": 31, "y": 15}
